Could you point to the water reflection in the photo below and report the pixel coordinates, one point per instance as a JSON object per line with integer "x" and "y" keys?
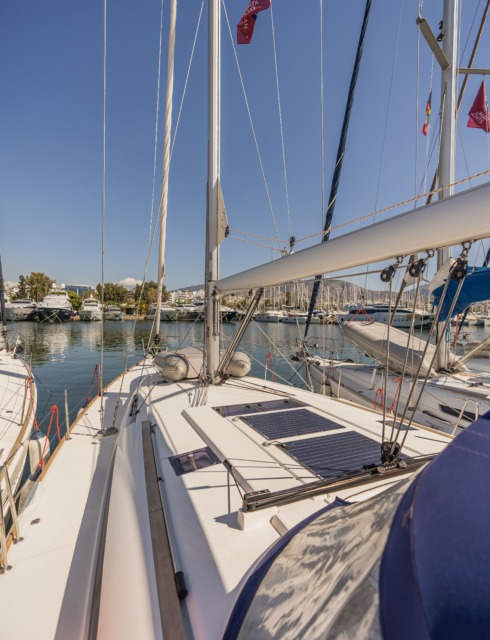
{"x": 64, "y": 356}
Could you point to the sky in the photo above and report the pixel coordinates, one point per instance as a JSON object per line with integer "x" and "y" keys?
{"x": 51, "y": 130}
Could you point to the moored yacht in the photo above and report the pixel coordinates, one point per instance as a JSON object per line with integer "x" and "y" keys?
{"x": 21, "y": 309}
{"x": 189, "y": 312}
{"x": 56, "y": 307}
{"x": 91, "y": 310}
{"x": 167, "y": 313}
{"x": 381, "y": 312}
{"x": 270, "y": 315}
{"x": 112, "y": 312}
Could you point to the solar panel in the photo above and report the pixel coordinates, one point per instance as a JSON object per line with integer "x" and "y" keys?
{"x": 335, "y": 454}
{"x": 257, "y": 407}
{"x": 284, "y": 424}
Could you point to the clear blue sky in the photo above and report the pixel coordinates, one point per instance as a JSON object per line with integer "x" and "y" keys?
{"x": 51, "y": 70}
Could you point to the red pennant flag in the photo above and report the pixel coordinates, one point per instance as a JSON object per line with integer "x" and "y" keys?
{"x": 479, "y": 116}
{"x": 425, "y": 128}
{"x": 245, "y": 28}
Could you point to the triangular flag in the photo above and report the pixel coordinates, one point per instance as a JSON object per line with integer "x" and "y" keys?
{"x": 479, "y": 116}
{"x": 245, "y": 27}
{"x": 425, "y": 128}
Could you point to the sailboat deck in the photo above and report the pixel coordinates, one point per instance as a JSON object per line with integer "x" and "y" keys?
{"x": 15, "y": 399}
{"x": 215, "y": 543}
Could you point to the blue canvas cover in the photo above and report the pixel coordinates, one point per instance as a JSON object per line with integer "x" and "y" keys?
{"x": 435, "y": 570}
{"x": 476, "y": 288}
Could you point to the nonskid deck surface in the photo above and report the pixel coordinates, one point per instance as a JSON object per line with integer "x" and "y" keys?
{"x": 218, "y": 544}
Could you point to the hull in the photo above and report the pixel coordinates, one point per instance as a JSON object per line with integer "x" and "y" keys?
{"x": 447, "y": 401}
{"x": 91, "y": 315}
{"x": 400, "y": 321}
{"x": 47, "y": 314}
{"x": 21, "y": 314}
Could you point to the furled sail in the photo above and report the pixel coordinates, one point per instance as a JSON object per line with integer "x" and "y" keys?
{"x": 460, "y": 218}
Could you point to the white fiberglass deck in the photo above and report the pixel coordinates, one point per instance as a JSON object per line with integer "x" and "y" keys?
{"x": 69, "y": 546}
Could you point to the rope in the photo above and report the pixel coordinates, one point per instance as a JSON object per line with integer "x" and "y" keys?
{"x": 257, "y": 235}
{"x": 152, "y": 229}
{"x": 269, "y": 365}
{"x": 258, "y": 244}
{"x": 280, "y": 122}
{"x": 95, "y": 377}
{"x": 271, "y": 209}
{"x": 104, "y": 137}
{"x": 394, "y": 206}
{"x": 322, "y": 115}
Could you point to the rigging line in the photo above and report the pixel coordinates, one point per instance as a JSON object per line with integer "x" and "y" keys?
{"x": 437, "y": 347}
{"x": 276, "y": 348}
{"x": 288, "y": 208}
{"x": 155, "y": 224}
{"x": 386, "y": 369}
{"x": 399, "y": 204}
{"x": 322, "y": 115}
{"x": 417, "y": 98}
{"x": 257, "y": 244}
{"x": 271, "y": 209}
{"x": 340, "y": 154}
{"x": 187, "y": 78}
{"x": 405, "y": 362}
{"x": 390, "y": 93}
{"x": 470, "y": 30}
{"x": 155, "y": 145}
{"x": 463, "y": 149}
{"x": 256, "y": 235}
{"x": 153, "y": 227}
{"x": 104, "y": 132}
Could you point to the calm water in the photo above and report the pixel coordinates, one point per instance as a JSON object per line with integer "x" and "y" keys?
{"x": 64, "y": 356}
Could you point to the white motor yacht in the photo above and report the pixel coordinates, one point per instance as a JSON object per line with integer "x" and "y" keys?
{"x": 271, "y": 315}
{"x": 56, "y": 307}
{"x": 91, "y": 310}
{"x": 112, "y": 312}
{"x": 167, "y": 313}
{"x": 380, "y": 312}
{"x": 21, "y": 309}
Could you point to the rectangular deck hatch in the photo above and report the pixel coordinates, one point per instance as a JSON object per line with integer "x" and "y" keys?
{"x": 284, "y": 424}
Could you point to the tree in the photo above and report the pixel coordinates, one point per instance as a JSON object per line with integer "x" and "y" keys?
{"x": 75, "y": 299}
{"x": 36, "y": 286}
{"x": 148, "y": 293}
{"x": 23, "y": 290}
{"x": 113, "y": 293}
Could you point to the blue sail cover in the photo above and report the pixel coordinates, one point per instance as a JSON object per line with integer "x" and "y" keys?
{"x": 476, "y": 288}
{"x": 435, "y": 570}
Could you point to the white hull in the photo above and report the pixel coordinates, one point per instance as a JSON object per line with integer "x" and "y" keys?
{"x": 440, "y": 405}
{"x": 91, "y": 315}
{"x": 17, "y": 415}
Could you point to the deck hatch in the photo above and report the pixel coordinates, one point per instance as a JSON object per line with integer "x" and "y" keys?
{"x": 257, "y": 407}
{"x": 336, "y": 454}
{"x": 193, "y": 461}
{"x": 284, "y": 424}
